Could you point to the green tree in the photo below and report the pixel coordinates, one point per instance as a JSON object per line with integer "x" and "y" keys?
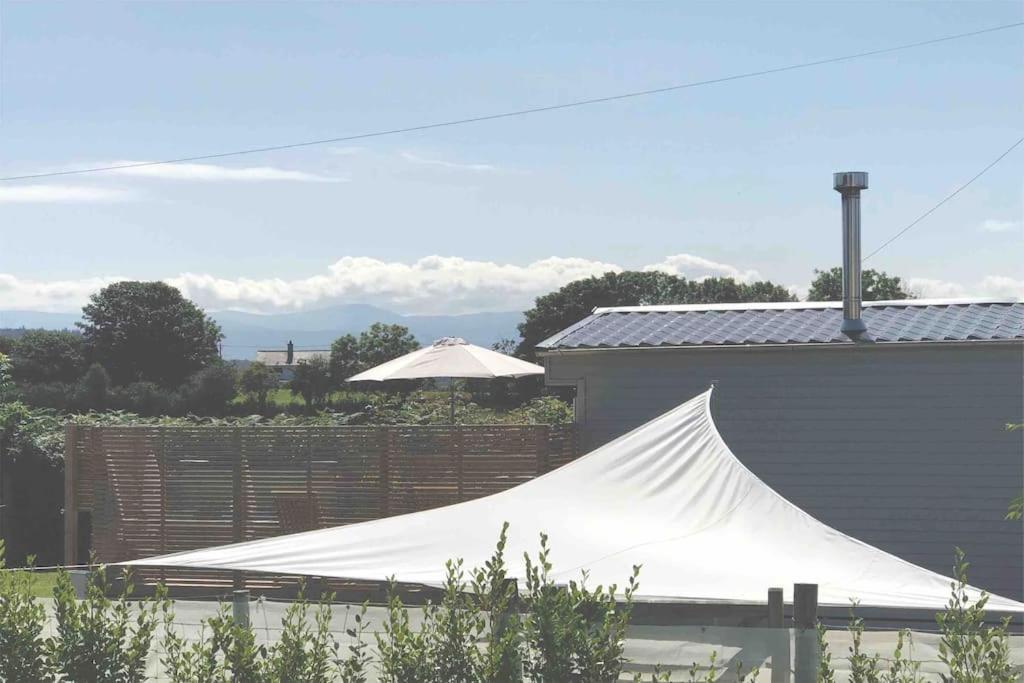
{"x": 93, "y": 391}
{"x": 312, "y": 381}
{"x": 382, "y": 343}
{"x": 48, "y": 356}
{"x": 875, "y": 285}
{"x": 147, "y": 331}
{"x": 256, "y": 382}
{"x": 209, "y": 391}
{"x": 345, "y": 360}
{"x": 505, "y": 345}
{"x": 6, "y": 383}
{"x": 558, "y": 310}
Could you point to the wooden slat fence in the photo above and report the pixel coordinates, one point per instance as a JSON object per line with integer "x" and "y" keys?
{"x": 153, "y": 490}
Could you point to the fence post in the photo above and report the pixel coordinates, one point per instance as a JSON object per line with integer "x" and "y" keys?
{"x": 542, "y": 442}
{"x": 237, "y": 501}
{"x": 780, "y": 639}
{"x": 309, "y": 465}
{"x": 456, "y": 443}
{"x": 161, "y": 465}
{"x": 70, "y": 494}
{"x": 805, "y": 623}
{"x": 385, "y": 472}
{"x": 240, "y": 607}
{"x": 510, "y": 609}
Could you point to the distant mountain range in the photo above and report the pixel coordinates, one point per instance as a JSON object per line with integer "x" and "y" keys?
{"x": 246, "y": 332}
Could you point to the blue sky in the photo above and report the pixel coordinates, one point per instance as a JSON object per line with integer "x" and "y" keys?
{"x": 733, "y": 178}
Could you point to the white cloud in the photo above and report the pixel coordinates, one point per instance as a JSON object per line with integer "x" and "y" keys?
{"x": 995, "y": 286}
{"x": 994, "y": 225}
{"x": 53, "y": 194}
{"x": 441, "y": 163}
{"x": 930, "y": 288}
{"x": 218, "y": 173}
{"x": 53, "y": 295}
{"x": 1002, "y": 286}
{"x": 434, "y": 284}
{"x": 700, "y": 268}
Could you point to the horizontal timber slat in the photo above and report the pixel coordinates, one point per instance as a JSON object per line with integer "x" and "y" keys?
{"x": 152, "y": 490}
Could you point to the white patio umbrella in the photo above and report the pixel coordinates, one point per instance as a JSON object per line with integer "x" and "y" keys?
{"x": 450, "y": 357}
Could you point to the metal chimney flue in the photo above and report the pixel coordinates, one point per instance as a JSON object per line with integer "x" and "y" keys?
{"x": 849, "y": 184}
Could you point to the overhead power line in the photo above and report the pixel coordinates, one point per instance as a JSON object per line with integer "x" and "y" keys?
{"x": 944, "y": 200}
{"x": 521, "y": 112}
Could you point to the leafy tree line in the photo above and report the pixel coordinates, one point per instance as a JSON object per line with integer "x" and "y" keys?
{"x": 140, "y": 345}
{"x": 314, "y": 379}
{"x": 145, "y": 348}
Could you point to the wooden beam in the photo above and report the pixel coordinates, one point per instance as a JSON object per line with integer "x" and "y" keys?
{"x": 70, "y": 494}
{"x": 780, "y": 640}
{"x": 805, "y": 623}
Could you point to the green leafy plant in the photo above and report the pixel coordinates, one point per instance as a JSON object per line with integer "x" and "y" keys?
{"x": 354, "y": 667}
{"x": 22, "y": 618}
{"x": 403, "y": 653}
{"x": 973, "y": 651}
{"x": 572, "y": 632}
{"x": 452, "y": 629}
{"x": 100, "y": 639}
{"x": 198, "y": 660}
{"x": 863, "y": 669}
{"x": 826, "y": 672}
{"x": 901, "y": 668}
{"x": 498, "y": 597}
{"x": 307, "y": 650}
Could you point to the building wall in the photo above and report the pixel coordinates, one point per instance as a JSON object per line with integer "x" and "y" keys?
{"x": 903, "y": 447}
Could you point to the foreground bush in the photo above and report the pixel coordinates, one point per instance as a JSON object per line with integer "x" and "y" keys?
{"x": 973, "y": 651}
{"x": 482, "y": 629}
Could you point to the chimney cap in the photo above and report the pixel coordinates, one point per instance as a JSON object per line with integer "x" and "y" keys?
{"x": 850, "y": 181}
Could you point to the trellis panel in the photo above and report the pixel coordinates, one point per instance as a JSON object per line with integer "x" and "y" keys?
{"x": 154, "y": 490}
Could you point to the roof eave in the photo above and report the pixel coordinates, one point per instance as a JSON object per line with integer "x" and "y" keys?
{"x": 554, "y": 351}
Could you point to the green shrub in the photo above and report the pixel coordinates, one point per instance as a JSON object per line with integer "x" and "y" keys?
{"x": 572, "y": 633}
{"x": 402, "y": 652}
{"x": 863, "y": 669}
{"x": 99, "y": 639}
{"x": 200, "y": 660}
{"x": 144, "y": 398}
{"x": 974, "y": 652}
{"x": 305, "y": 651}
{"x": 209, "y": 391}
{"x": 22, "y": 618}
{"x": 354, "y": 667}
{"x": 481, "y": 629}
{"x": 93, "y": 391}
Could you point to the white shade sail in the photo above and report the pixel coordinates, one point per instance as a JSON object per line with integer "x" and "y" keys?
{"x": 669, "y": 496}
{"x": 449, "y": 357}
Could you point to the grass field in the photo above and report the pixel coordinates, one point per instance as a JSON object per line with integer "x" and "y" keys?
{"x": 283, "y": 397}
{"x": 43, "y": 583}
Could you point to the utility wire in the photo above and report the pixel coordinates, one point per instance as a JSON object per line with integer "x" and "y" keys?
{"x": 946, "y": 199}
{"x": 521, "y": 112}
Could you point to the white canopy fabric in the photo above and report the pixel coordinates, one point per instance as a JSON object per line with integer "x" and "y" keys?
{"x": 669, "y": 496}
{"x": 449, "y": 357}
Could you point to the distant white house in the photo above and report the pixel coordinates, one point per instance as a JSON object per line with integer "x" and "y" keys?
{"x": 287, "y": 359}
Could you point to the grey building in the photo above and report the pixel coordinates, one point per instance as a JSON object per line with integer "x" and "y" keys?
{"x": 896, "y": 436}
{"x": 285, "y": 360}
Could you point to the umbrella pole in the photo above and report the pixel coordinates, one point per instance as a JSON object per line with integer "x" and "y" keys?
{"x": 451, "y": 408}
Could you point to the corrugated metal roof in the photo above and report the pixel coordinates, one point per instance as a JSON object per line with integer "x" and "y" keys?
{"x": 812, "y": 323}
{"x": 279, "y": 358}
